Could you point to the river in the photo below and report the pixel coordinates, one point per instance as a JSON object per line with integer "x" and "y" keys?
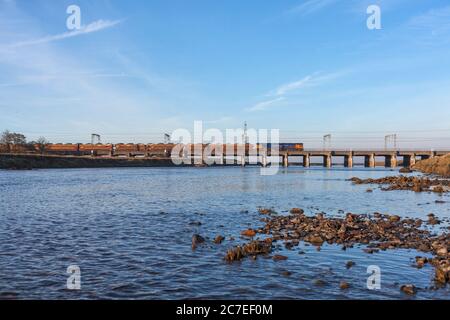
{"x": 129, "y": 230}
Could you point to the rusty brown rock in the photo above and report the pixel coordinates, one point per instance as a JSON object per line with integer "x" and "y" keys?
{"x": 409, "y": 289}
{"x": 279, "y": 257}
{"x": 265, "y": 211}
{"x": 248, "y": 233}
{"x": 296, "y": 211}
{"x": 219, "y": 239}
{"x": 196, "y": 240}
{"x": 343, "y": 285}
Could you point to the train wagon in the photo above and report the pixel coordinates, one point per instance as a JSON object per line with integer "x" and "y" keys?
{"x": 96, "y": 149}
{"x": 159, "y": 150}
{"x": 126, "y": 149}
{"x": 66, "y": 149}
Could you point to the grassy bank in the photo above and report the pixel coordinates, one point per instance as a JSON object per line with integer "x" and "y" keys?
{"x": 27, "y": 162}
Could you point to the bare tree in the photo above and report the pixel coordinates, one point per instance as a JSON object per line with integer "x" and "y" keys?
{"x": 42, "y": 143}
{"x": 8, "y": 137}
{"x": 13, "y": 141}
{"x": 5, "y": 137}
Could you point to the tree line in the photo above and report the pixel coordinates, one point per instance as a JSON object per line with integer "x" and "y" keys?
{"x": 9, "y": 139}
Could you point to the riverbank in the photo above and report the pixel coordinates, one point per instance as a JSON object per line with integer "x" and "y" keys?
{"x": 29, "y": 162}
{"x": 436, "y": 165}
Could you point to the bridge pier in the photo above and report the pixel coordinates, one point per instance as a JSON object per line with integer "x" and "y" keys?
{"x": 369, "y": 160}
{"x": 264, "y": 161}
{"x": 348, "y": 161}
{"x": 306, "y": 160}
{"x": 243, "y": 160}
{"x": 286, "y": 160}
{"x": 390, "y": 161}
{"x": 409, "y": 160}
{"x": 327, "y": 161}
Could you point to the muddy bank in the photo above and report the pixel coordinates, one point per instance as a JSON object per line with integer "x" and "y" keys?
{"x": 28, "y": 162}
{"x": 417, "y": 184}
{"x": 436, "y": 165}
{"x": 375, "y": 232}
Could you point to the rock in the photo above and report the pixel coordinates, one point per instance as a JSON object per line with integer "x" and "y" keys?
{"x": 349, "y": 264}
{"x": 432, "y": 220}
{"x": 249, "y": 233}
{"x": 319, "y": 283}
{"x": 315, "y": 240}
{"x": 369, "y": 190}
{"x": 344, "y": 285}
{"x": 371, "y": 250}
{"x": 250, "y": 249}
{"x": 436, "y": 165}
{"x": 394, "y": 218}
{"x": 409, "y": 289}
{"x": 442, "y": 251}
{"x": 279, "y": 257}
{"x": 420, "y": 262}
{"x": 405, "y": 170}
{"x": 296, "y": 211}
{"x": 196, "y": 240}
{"x": 265, "y": 211}
{"x": 219, "y": 239}
{"x": 286, "y": 273}
{"x": 442, "y": 272}
{"x": 438, "y": 189}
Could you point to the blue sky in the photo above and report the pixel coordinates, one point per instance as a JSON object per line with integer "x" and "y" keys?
{"x": 137, "y": 69}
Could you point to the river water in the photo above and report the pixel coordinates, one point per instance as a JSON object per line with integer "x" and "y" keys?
{"x": 129, "y": 230}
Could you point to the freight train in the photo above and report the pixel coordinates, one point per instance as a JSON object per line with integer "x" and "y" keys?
{"x": 137, "y": 150}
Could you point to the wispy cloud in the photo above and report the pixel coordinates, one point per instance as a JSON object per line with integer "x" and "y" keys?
{"x": 435, "y": 21}
{"x": 310, "y": 7}
{"x": 265, "y": 104}
{"x": 284, "y": 91}
{"x": 90, "y": 28}
{"x": 293, "y": 86}
{"x": 311, "y": 80}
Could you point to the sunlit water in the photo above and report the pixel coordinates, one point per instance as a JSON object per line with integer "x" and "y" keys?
{"x": 129, "y": 230}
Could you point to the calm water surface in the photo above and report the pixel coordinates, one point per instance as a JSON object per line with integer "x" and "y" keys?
{"x": 129, "y": 230}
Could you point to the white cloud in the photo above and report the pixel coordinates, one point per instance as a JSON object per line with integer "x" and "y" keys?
{"x": 282, "y": 92}
{"x": 265, "y": 104}
{"x": 286, "y": 88}
{"x": 90, "y": 28}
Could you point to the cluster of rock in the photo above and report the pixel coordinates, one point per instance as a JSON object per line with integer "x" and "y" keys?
{"x": 417, "y": 184}
{"x": 436, "y": 165}
{"x": 376, "y": 232}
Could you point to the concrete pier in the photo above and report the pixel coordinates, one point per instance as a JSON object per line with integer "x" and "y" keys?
{"x": 286, "y": 160}
{"x": 348, "y": 161}
{"x": 327, "y": 161}
{"x": 306, "y": 160}
{"x": 369, "y": 160}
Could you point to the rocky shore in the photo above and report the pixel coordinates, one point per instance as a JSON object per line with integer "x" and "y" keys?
{"x": 375, "y": 232}
{"x": 414, "y": 183}
{"x": 437, "y": 165}
{"x": 29, "y": 162}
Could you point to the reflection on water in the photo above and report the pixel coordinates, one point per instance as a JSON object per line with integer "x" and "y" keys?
{"x": 130, "y": 232}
